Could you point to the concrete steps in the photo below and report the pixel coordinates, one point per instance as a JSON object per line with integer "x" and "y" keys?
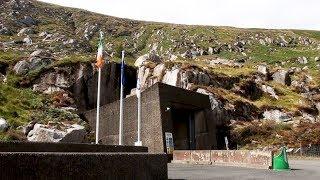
{"x": 73, "y": 164}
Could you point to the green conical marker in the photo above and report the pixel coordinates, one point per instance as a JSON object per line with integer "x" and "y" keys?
{"x": 280, "y": 162}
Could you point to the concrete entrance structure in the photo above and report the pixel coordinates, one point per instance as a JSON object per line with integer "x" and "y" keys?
{"x": 165, "y": 108}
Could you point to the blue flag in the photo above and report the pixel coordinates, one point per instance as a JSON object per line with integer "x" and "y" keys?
{"x": 123, "y": 78}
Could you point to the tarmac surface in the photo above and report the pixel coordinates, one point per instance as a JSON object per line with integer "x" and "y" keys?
{"x": 300, "y": 170}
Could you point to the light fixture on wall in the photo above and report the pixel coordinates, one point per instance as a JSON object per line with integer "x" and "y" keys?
{"x": 168, "y": 109}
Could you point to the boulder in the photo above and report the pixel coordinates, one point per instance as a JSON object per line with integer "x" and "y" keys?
{"x": 187, "y": 54}
{"x": 282, "y": 76}
{"x": 43, "y": 34}
{"x": 27, "y": 128}
{"x": 282, "y": 42}
{"x": 38, "y": 59}
{"x": 27, "y": 21}
{"x": 21, "y": 67}
{"x": 27, "y": 40}
{"x": 26, "y": 31}
{"x": 309, "y": 117}
{"x": 262, "y": 42}
{"x": 302, "y": 60}
{"x": 140, "y": 60}
{"x": 203, "y": 91}
{"x": 173, "y": 57}
{"x": 66, "y": 133}
{"x": 40, "y": 53}
{"x": 150, "y": 59}
{"x": 269, "y": 90}
{"x": 90, "y": 30}
{"x": 263, "y": 69}
{"x": 3, "y": 125}
{"x": 172, "y": 77}
{"x": 158, "y": 71}
{"x": 75, "y": 133}
{"x": 210, "y": 51}
{"x": 5, "y": 31}
{"x": 36, "y": 63}
{"x": 276, "y": 115}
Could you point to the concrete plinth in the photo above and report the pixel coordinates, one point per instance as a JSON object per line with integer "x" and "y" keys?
{"x": 24, "y": 160}
{"x": 65, "y": 147}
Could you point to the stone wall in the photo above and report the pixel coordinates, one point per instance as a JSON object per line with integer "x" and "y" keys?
{"x": 243, "y": 158}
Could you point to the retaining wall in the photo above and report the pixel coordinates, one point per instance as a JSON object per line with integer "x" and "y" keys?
{"x": 243, "y": 158}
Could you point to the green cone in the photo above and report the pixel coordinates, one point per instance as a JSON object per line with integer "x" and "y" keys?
{"x": 280, "y": 162}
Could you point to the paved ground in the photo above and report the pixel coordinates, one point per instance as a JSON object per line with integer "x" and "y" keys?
{"x": 302, "y": 170}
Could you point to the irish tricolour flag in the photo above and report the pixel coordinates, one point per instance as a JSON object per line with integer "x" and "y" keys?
{"x": 100, "y": 61}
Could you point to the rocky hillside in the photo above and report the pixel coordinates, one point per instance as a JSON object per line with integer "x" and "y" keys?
{"x": 264, "y": 84}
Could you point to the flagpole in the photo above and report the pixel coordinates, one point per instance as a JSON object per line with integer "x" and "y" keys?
{"x": 121, "y": 102}
{"x": 139, "y": 142}
{"x": 99, "y": 64}
{"x": 98, "y": 106}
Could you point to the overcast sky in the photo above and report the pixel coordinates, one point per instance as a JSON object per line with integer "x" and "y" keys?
{"x": 293, "y": 14}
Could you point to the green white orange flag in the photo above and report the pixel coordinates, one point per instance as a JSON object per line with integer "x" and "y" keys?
{"x": 100, "y": 58}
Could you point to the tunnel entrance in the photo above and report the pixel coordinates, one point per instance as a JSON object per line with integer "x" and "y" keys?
{"x": 192, "y": 127}
{"x": 183, "y": 129}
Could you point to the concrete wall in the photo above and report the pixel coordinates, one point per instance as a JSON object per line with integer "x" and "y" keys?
{"x": 151, "y": 134}
{"x": 243, "y": 158}
{"x": 156, "y": 120}
{"x": 19, "y": 165}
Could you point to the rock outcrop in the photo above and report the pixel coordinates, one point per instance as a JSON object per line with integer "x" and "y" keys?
{"x": 282, "y": 76}
{"x": 3, "y": 125}
{"x": 50, "y": 133}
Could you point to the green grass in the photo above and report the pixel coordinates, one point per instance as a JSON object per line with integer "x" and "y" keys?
{"x": 20, "y": 106}
{"x": 10, "y": 57}
{"x": 308, "y": 33}
{"x": 288, "y": 99}
{"x": 17, "y": 105}
{"x": 261, "y": 53}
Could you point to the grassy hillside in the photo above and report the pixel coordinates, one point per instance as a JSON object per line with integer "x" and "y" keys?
{"x": 73, "y": 37}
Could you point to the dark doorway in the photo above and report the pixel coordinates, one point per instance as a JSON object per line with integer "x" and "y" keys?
{"x": 183, "y": 129}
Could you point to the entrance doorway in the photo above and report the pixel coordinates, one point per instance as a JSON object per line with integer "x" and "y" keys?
{"x": 183, "y": 129}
